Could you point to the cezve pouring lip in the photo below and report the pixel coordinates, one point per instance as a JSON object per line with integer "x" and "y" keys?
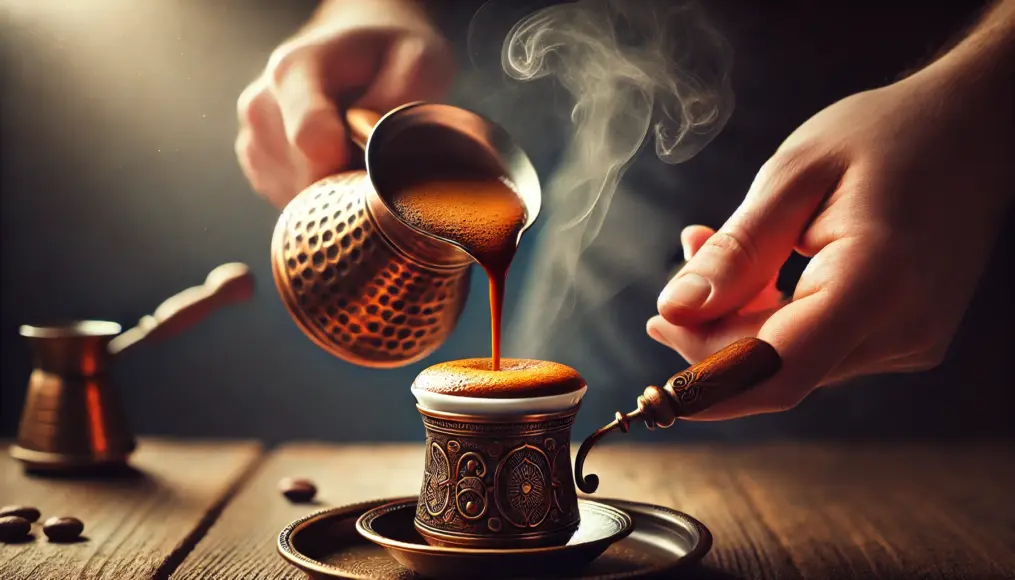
{"x": 376, "y": 133}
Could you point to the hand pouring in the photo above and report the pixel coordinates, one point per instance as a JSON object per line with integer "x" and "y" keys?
{"x": 73, "y": 417}
{"x": 357, "y": 278}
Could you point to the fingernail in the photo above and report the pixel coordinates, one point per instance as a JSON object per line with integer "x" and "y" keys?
{"x": 687, "y": 250}
{"x": 654, "y": 334}
{"x": 688, "y": 291}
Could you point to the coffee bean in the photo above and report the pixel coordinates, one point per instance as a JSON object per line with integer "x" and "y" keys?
{"x": 14, "y": 528}
{"x": 63, "y": 529}
{"x": 22, "y": 511}
{"x": 297, "y": 490}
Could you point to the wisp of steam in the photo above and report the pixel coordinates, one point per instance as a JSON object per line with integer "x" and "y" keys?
{"x": 636, "y": 70}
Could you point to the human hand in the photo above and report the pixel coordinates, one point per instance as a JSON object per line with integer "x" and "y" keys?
{"x": 376, "y": 54}
{"x": 897, "y": 195}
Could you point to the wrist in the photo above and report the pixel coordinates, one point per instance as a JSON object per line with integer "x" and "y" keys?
{"x": 969, "y": 92}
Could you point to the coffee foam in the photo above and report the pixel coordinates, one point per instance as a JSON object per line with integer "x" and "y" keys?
{"x": 484, "y": 215}
{"x": 516, "y": 379}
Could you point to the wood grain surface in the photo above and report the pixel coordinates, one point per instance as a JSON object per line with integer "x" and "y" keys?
{"x": 137, "y": 526}
{"x": 810, "y": 511}
{"x": 776, "y": 511}
{"x": 242, "y": 543}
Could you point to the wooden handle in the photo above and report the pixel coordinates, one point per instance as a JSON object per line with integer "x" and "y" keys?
{"x": 725, "y": 374}
{"x": 225, "y": 285}
{"x": 361, "y": 123}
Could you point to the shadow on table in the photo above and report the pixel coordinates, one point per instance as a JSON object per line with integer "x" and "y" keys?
{"x": 92, "y": 473}
{"x": 122, "y": 478}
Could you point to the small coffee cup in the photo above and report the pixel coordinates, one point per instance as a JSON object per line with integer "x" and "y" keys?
{"x": 498, "y": 457}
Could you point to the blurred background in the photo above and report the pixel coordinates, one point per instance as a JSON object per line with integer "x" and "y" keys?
{"x": 120, "y": 188}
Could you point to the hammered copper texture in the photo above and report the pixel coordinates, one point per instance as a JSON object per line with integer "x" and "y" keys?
{"x": 350, "y": 289}
{"x": 498, "y": 484}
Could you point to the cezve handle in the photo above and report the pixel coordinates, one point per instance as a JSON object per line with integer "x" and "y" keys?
{"x": 225, "y": 285}
{"x": 729, "y": 372}
{"x": 361, "y": 123}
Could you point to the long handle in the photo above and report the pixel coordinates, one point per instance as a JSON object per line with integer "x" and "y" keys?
{"x": 726, "y": 373}
{"x": 225, "y": 285}
{"x": 361, "y": 123}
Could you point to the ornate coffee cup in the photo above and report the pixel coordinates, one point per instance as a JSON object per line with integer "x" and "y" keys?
{"x": 498, "y": 456}
{"x": 498, "y": 471}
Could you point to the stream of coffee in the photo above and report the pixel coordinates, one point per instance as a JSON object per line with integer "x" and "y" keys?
{"x": 483, "y": 215}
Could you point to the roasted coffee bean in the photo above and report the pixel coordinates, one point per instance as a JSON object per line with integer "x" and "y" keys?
{"x": 63, "y": 529}
{"x": 297, "y": 490}
{"x": 22, "y": 511}
{"x": 14, "y": 528}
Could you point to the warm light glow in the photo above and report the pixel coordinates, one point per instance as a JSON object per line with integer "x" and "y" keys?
{"x": 89, "y": 363}
{"x": 128, "y": 60}
{"x": 97, "y": 426}
{"x": 66, "y": 14}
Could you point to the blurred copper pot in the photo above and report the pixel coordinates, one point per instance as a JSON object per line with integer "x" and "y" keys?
{"x": 73, "y": 417}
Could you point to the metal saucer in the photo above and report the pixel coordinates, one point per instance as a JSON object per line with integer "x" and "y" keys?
{"x": 326, "y": 544}
{"x": 391, "y": 527}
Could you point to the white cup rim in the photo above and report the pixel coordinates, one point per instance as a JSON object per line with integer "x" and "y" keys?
{"x": 444, "y": 403}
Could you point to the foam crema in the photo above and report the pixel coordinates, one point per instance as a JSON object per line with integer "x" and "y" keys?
{"x": 521, "y": 386}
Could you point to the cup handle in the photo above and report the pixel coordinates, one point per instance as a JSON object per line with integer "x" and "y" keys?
{"x": 361, "y": 123}
{"x": 736, "y": 368}
{"x": 225, "y": 285}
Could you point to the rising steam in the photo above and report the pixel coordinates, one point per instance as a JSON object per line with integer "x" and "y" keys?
{"x": 634, "y": 70}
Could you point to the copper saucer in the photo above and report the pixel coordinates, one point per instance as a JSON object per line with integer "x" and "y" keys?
{"x": 326, "y": 545}
{"x": 391, "y": 526}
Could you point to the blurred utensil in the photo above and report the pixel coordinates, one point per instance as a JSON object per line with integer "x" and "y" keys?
{"x": 73, "y": 417}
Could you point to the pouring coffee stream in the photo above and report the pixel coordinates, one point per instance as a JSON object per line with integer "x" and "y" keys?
{"x": 476, "y": 209}
{"x": 368, "y": 276}
{"x": 373, "y": 265}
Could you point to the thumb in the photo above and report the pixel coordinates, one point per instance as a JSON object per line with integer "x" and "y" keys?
{"x": 739, "y": 260}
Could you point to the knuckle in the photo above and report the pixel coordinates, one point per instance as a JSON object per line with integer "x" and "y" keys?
{"x": 246, "y": 154}
{"x": 736, "y": 245}
{"x": 284, "y": 59}
{"x": 797, "y": 173}
{"x": 244, "y": 148}
{"x": 783, "y": 162}
{"x": 251, "y": 102}
{"x": 313, "y": 134}
{"x": 304, "y": 134}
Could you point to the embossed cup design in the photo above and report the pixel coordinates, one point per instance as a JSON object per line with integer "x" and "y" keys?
{"x": 497, "y": 482}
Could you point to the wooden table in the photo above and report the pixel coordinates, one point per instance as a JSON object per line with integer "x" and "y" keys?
{"x": 202, "y": 510}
